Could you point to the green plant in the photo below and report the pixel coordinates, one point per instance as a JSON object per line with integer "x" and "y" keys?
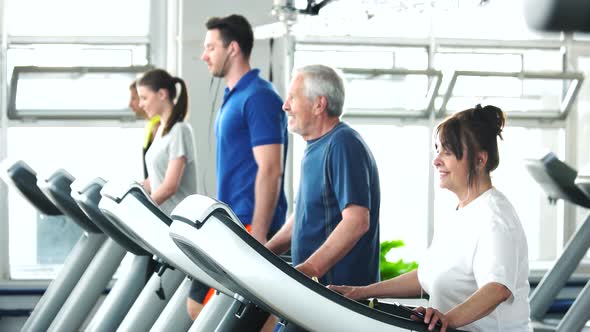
{"x": 393, "y": 269}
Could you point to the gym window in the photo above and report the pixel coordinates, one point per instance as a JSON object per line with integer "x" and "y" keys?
{"x": 71, "y": 92}
{"x": 397, "y": 94}
{"x": 66, "y": 107}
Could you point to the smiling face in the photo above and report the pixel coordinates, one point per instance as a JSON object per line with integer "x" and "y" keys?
{"x": 299, "y": 108}
{"x": 215, "y": 54}
{"x": 452, "y": 172}
{"x": 151, "y": 101}
{"x": 134, "y": 103}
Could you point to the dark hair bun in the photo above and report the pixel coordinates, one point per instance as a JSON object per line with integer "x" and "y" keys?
{"x": 492, "y": 116}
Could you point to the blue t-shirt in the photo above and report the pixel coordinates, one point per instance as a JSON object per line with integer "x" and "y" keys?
{"x": 338, "y": 169}
{"x": 251, "y": 115}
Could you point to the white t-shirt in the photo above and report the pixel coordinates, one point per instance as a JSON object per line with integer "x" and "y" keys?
{"x": 480, "y": 243}
{"x": 177, "y": 143}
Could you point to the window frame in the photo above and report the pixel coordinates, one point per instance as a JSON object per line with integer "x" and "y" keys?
{"x": 157, "y": 38}
{"x": 565, "y": 106}
{"x": 435, "y": 81}
{"x": 77, "y": 114}
{"x": 4, "y": 238}
{"x": 567, "y": 47}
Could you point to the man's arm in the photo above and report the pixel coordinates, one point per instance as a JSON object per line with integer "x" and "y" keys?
{"x": 354, "y": 224}
{"x": 281, "y": 242}
{"x": 269, "y": 159}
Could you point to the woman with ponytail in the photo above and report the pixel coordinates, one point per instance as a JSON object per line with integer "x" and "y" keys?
{"x": 170, "y": 160}
{"x": 476, "y": 269}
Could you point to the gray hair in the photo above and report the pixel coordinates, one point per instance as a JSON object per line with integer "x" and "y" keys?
{"x": 320, "y": 80}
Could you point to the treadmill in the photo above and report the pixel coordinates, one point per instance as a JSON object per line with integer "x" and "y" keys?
{"x": 162, "y": 283}
{"x": 128, "y": 286}
{"x": 139, "y": 217}
{"x": 24, "y": 179}
{"x": 582, "y": 181}
{"x": 580, "y": 309}
{"x": 218, "y": 242}
{"x": 560, "y": 181}
{"x": 99, "y": 272}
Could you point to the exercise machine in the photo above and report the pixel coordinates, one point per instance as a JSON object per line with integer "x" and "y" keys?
{"x": 557, "y": 180}
{"x": 99, "y": 272}
{"x": 132, "y": 279}
{"x": 219, "y": 243}
{"x": 24, "y": 179}
{"x": 141, "y": 219}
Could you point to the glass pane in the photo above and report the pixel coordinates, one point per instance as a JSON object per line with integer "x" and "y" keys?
{"x": 90, "y": 18}
{"x": 404, "y": 196}
{"x": 582, "y": 36}
{"x": 39, "y": 244}
{"x": 509, "y": 93}
{"x": 86, "y": 153}
{"x": 386, "y": 92}
{"x": 400, "y": 92}
{"x": 43, "y": 55}
{"x": 449, "y": 60}
{"x": 362, "y": 56}
{"x": 583, "y": 129}
{"x": 44, "y": 92}
{"x": 543, "y": 60}
{"x": 404, "y": 184}
{"x": 541, "y": 220}
{"x": 478, "y": 60}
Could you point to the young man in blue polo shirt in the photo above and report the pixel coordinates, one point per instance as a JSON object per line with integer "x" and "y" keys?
{"x": 334, "y": 232}
{"x": 251, "y": 132}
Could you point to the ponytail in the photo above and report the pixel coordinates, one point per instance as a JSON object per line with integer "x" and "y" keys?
{"x": 180, "y": 108}
{"x": 157, "y": 79}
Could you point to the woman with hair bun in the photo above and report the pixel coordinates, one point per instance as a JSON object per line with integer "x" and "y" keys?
{"x": 476, "y": 269}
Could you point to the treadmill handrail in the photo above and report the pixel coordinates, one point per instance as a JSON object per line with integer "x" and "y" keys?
{"x": 118, "y": 193}
{"x": 58, "y": 190}
{"x": 141, "y": 196}
{"x": 582, "y": 181}
{"x": 24, "y": 179}
{"x": 88, "y": 199}
{"x": 136, "y": 195}
{"x": 557, "y": 179}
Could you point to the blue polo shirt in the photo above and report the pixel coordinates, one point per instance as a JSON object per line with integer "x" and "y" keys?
{"x": 338, "y": 169}
{"x": 251, "y": 115}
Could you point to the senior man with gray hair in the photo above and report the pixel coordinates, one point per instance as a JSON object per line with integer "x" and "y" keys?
{"x": 334, "y": 231}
